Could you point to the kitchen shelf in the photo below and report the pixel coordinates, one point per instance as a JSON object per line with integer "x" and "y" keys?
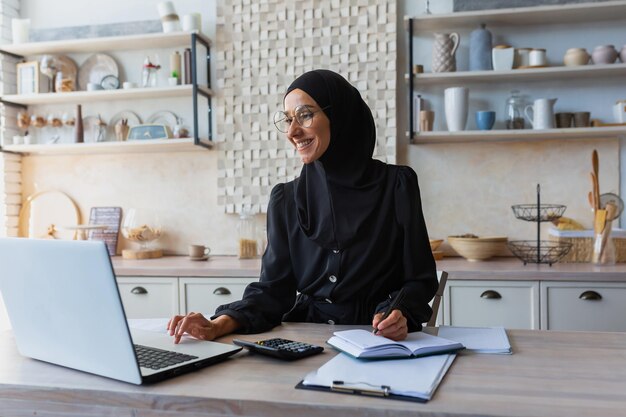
{"x": 109, "y": 43}
{"x": 518, "y": 135}
{"x": 134, "y": 146}
{"x": 536, "y": 74}
{"x": 519, "y": 16}
{"x": 103, "y": 95}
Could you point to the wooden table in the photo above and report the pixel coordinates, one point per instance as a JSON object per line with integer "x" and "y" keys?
{"x": 550, "y": 374}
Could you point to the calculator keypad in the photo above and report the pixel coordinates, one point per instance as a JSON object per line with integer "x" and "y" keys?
{"x": 281, "y": 348}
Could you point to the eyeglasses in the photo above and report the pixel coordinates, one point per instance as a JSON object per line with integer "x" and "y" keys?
{"x": 303, "y": 114}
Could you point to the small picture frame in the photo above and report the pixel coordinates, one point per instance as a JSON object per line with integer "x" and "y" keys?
{"x": 29, "y": 79}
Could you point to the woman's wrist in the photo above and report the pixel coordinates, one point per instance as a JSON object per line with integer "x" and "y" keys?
{"x": 225, "y": 324}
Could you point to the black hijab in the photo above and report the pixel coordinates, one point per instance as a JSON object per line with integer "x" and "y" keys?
{"x": 337, "y": 194}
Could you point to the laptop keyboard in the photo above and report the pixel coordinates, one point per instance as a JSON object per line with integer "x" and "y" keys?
{"x": 154, "y": 358}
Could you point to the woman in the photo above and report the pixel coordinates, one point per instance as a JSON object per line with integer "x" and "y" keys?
{"x": 345, "y": 236}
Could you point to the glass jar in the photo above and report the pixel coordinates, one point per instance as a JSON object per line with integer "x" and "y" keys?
{"x": 603, "y": 249}
{"x": 247, "y": 233}
{"x": 514, "y": 111}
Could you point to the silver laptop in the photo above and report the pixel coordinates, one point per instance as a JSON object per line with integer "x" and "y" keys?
{"x": 65, "y": 308}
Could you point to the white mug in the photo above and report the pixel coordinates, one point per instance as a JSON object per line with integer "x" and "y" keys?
{"x": 20, "y": 29}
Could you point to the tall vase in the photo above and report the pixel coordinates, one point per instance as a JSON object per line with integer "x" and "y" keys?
{"x": 444, "y": 49}
{"x": 456, "y": 101}
{"x": 480, "y": 50}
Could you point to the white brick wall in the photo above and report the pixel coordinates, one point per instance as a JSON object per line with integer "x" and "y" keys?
{"x": 10, "y": 164}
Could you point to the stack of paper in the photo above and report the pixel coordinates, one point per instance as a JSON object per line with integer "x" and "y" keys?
{"x": 363, "y": 344}
{"x": 409, "y": 379}
{"x": 479, "y": 339}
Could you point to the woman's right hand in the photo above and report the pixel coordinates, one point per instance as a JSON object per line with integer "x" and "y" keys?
{"x": 199, "y": 327}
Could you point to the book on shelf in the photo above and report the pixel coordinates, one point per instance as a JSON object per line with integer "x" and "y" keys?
{"x": 479, "y": 339}
{"x": 363, "y": 344}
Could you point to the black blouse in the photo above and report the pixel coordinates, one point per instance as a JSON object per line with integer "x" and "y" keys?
{"x": 302, "y": 281}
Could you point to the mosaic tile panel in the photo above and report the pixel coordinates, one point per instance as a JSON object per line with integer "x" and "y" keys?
{"x": 261, "y": 47}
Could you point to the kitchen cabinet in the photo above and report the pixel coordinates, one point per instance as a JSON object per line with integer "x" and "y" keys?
{"x": 590, "y": 306}
{"x": 120, "y": 97}
{"x": 204, "y": 295}
{"x": 159, "y": 297}
{"x": 149, "y": 297}
{"x": 512, "y": 304}
{"x": 540, "y": 20}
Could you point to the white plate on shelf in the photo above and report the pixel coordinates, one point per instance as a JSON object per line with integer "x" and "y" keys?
{"x": 164, "y": 117}
{"x": 95, "y": 68}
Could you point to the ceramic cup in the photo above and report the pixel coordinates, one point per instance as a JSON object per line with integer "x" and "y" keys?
{"x": 18, "y": 140}
{"x": 427, "y": 119}
{"x": 485, "y": 119}
{"x": 128, "y": 85}
{"x": 198, "y": 251}
{"x": 20, "y": 29}
{"x": 172, "y": 81}
{"x": 563, "y": 119}
{"x": 582, "y": 119}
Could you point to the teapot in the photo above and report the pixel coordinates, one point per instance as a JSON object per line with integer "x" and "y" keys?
{"x": 543, "y": 113}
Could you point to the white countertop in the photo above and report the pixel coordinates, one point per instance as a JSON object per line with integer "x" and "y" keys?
{"x": 458, "y": 268}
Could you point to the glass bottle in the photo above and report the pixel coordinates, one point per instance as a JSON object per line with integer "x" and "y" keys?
{"x": 603, "y": 249}
{"x": 514, "y": 111}
{"x": 246, "y": 231}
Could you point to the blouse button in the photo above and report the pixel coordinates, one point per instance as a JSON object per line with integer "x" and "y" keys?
{"x": 336, "y": 251}
{"x": 331, "y": 322}
{"x": 332, "y": 278}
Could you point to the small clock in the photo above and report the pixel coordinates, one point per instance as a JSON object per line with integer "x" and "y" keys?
{"x": 140, "y": 132}
{"x": 110, "y": 82}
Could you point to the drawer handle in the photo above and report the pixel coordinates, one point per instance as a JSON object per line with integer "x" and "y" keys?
{"x": 139, "y": 290}
{"x": 491, "y": 295}
{"x": 590, "y": 295}
{"x": 221, "y": 291}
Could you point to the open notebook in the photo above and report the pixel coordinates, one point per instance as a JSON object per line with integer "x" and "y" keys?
{"x": 363, "y": 344}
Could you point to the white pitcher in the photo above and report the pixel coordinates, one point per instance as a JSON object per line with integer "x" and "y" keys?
{"x": 543, "y": 113}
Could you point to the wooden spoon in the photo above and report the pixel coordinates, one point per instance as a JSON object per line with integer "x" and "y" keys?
{"x": 591, "y": 202}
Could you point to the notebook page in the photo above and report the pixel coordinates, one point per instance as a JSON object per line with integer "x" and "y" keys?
{"x": 478, "y": 339}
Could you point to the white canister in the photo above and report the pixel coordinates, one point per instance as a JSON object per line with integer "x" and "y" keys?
{"x": 619, "y": 111}
{"x": 169, "y": 18}
{"x": 192, "y": 21}
{"x": 20, "y": 29}
{"x": 522, "y": 58}
{"x": 502, "y": 57}
{"x": 456, "y": 100}
{"x": 537, "y": 57}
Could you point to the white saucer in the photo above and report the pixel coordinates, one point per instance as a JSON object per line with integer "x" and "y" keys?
{"x": 203, "y": 258}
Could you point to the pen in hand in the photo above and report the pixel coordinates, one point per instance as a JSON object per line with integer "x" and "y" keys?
{"x": 394, "y": 305}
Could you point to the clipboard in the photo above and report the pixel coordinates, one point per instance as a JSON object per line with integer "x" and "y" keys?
{"x": 414, "y": 379}
{"x": 343, "y": 388}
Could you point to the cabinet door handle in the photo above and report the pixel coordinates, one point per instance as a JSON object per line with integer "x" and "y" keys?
{"x": 221, "y": 291}
{"x": 139, "y": 290}
{"x": 590, "y": 295}
{"x": 490, "y": 295}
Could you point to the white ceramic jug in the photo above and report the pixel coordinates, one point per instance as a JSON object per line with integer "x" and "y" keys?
{"x": 619, "y": 111}
{"x": 543, "y": 113}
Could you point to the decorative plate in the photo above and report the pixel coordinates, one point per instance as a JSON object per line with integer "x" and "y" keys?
{"x": 95, "y": 68}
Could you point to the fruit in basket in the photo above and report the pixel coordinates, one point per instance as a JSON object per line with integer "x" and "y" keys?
{"x": 565, "y": 223}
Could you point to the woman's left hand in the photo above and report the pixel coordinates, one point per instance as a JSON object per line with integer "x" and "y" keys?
{"x": 393, "y": 327}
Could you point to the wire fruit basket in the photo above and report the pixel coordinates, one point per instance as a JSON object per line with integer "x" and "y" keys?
{"x": 546, "y": 252}
{"x": 538, "y": 251}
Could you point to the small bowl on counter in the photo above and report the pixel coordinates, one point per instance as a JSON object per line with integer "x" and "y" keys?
{"x": 475, "y": 248}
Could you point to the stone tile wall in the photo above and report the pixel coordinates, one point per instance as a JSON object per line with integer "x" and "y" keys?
{"x": 261, "y": 47}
